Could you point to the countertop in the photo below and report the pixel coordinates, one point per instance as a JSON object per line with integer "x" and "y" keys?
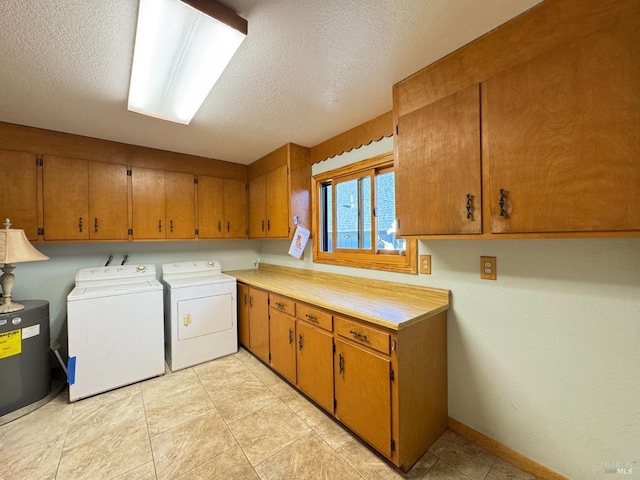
{"x": 388, "y": 304}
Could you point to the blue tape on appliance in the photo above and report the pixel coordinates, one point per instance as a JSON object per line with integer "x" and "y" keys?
{"x": 71, "y": 371}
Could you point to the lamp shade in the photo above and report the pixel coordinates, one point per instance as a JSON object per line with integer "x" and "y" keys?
{"x": 15, "y": 248}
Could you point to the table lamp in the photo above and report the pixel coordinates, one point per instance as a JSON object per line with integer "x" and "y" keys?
{"x": 14, "y": 248}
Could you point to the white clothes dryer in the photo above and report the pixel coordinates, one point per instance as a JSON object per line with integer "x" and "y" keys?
{"x": 200, "y": 313}
{"x": 115, "y": 328}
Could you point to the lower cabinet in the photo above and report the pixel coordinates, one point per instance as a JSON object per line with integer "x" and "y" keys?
{"x": 258, "y": 322}
{"x": 364, "y": 375}
{"x": 282, "y": 337}
{"x": 363, "y": 394}
{"x": 314, "y": 357}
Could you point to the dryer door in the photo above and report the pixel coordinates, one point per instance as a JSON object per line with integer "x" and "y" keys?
{"x": 204, "y": 316}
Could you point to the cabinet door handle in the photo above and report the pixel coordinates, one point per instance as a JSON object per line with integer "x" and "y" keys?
{"x": 501, "y": 202}
{"x": 80, "y": 224}
{"x": 358, "y": 335}
{"x": 340, "y": 364}
{"x": 244, "y": 297}
{"x": 250, "y": 301}
{"x": 95, "y": 225}
{"x": 469, "y": 207}
{"x": 159, "y": 225}
{"x": 300, "y": 342}
{"x": 219, "y": 226}
{"x": 228, "y": 226}
{"x": 312, "y": 318}
{"x": 268, "y": 225}
{"x": 290, "y": 336}
{"x": 263, "y": 225}
{"x": 171, "y": 226}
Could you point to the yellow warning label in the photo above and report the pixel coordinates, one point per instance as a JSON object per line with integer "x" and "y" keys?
{"x": 10, "y": 343}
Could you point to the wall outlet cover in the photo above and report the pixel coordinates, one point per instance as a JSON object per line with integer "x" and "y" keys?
{"x": 425, "y": 264}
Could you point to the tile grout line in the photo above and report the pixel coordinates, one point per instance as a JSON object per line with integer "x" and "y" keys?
{"x": 146, "y": 422}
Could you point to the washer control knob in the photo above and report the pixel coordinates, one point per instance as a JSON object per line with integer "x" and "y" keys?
{"x": 141, "y": 268}
{"x": 210, "y": 264}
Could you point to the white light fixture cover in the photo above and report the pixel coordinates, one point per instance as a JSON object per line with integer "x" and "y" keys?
{"x": 180, "y": 52}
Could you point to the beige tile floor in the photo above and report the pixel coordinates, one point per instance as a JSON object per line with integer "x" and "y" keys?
{"x": 229, "y": 419}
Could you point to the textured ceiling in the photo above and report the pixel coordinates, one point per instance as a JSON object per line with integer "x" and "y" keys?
{"x": 308, "y": 70}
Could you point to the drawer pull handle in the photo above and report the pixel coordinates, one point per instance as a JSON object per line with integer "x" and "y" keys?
{"x": 358, "y": 335}
{"x": 290, "y": 336}
{"x": 281, "y": 306}
{"x": 300, "y": 342}
{"x": 311, "y": 317}
{"x": 341, "y": 364}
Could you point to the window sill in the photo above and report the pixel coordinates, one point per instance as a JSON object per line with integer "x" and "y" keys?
{"x": 392, "y": 263}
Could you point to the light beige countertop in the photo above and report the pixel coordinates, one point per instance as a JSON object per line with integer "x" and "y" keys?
{"x": 388, "y": 304}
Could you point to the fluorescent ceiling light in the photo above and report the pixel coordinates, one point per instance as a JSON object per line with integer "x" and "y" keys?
{"x": 180, "y": 52}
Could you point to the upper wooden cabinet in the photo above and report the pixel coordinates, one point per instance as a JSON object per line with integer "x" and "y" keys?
{"x": 84, "y": 199}
{"x": 222, "y": 207}
{"x": 163, "y": 204}
{"x": 560, "y": 137}
{"x": 556, "y": 129}
{"x": 279, "y": 189}
{"x": 19, "y": 192}
{"x": 437, "y": 169}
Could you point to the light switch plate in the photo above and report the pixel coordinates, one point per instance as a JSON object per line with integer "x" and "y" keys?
{"x": 425, "y": 264}
{"x": 488, "y": 268}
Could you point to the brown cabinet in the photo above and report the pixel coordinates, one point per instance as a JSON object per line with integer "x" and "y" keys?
{"x": 560, "y": 145}
{"x": 282, "y": 347}
{"x": 363, "y": 393}
{"x": 222, "y": 207}
{"x": 19, "y": 192}
{"x": 259, "y": 323}
{"x": 163, "y": 204}
{"x": 243, "y": 315}
{"x": 437, "y": 170}
{"x": 279, "y": 186}
{"x": 314, "y": 359}
{"x": 363, "y": 374}
{"x": 84, "y": 199}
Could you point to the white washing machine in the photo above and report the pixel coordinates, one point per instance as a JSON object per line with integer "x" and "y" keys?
{"x": 200, "y": 313}
{"x": 115, "y": 327}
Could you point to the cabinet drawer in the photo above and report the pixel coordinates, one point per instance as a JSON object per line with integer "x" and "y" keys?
{"x": 282, "y": 304}
{"x": 316, "y": 317}
{"x": 363, "y": 334}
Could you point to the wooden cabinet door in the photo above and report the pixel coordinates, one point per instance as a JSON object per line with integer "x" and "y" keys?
{"x": 314, "y": 360}
{"x": 235, "y": 208}
{"x": 108, "y": 201}
{"x": 277, "y": 202}
{"x": 363, "y": 394}
{"x": 437, "y": 172}
{"x": 257, "y": 207}
{"x": 65, "y": 188}
{"x": 180, "y": 207}
{"x": 259, "y": 323}
{"x": 243, "y": 315}
{"x": 282, "y": 335}
{"x": 147, "y": 199}
{"x": 560, "y": 137}
{"x": 210, "y": 207}
{"x": 19, "y": 194}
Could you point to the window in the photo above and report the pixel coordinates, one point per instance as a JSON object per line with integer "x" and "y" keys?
{"x": 354, "y": 218}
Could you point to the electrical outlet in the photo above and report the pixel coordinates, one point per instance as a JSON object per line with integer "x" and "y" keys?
{"x": 425, "y": 264}
{"x": 488, "y": 268}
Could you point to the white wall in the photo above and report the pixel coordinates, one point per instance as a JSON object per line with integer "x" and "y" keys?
{"x": 546, "y": 359}
{"x": 53, "y": 279}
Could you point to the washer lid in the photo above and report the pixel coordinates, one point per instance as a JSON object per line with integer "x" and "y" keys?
{"x": 194, "y": 269}
{"x": 113, "y": 290}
